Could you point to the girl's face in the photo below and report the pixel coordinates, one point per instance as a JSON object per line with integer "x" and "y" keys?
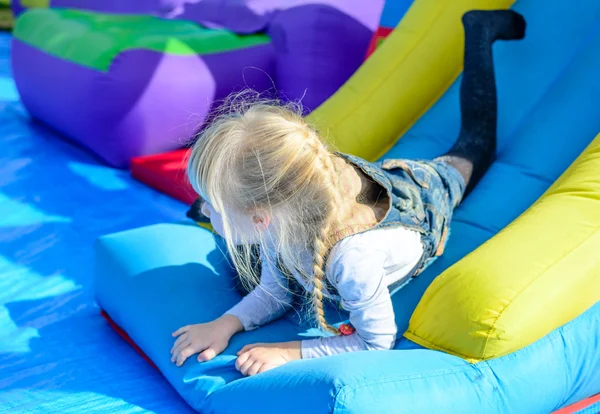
{"x": 244, "y": 228}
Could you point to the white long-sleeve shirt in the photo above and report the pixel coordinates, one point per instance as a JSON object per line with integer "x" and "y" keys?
{"x": 360, "y": 267}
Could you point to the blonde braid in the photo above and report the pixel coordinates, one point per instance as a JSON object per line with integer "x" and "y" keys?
{"x": 322, "y": 241}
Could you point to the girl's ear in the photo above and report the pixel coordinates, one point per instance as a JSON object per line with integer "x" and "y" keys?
{"x": 261, "y": 219}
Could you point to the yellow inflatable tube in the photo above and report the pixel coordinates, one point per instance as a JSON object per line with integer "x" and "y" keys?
{"x": 484, "y": 305}
{"x": 401, "y": 80}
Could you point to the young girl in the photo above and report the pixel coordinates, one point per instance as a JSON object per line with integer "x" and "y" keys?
{"x": 337, "y": 225}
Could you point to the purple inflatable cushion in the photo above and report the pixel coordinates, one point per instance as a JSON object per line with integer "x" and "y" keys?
{"x": 94, "y": 40}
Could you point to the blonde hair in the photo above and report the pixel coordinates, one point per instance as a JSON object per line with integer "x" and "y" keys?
{"x": 263, "y": 155}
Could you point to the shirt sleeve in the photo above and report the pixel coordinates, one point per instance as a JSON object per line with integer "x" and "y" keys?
{"x": 268, "y": 301}
{"x": 358, "y": 275}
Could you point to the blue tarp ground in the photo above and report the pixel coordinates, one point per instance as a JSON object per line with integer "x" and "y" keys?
{"x": 57, "y": 355}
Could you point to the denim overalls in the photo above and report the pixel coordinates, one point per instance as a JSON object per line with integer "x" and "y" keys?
{"x": 423, "y": 196}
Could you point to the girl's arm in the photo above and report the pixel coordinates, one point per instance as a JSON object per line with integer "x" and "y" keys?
{"x": 267, "y": 302}
{"x": 358, "y": 274}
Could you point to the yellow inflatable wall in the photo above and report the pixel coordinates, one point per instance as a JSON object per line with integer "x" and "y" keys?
{"x": 405, "y": 76}
{"x": 485, "y": 303}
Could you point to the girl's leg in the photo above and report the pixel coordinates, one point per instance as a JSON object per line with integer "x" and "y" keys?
{"x": 475, "y": 148}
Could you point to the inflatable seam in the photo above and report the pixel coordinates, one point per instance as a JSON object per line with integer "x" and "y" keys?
{"x": 522, "y": 169}
{"x": 430, "y": 345}
{"x": 488, "y": 333}
{"x": 478, "y": 226}
{"x": 593, "y": 231}
{"x": 45, "y": 52}
{"x": 485, "y": 369}
{"x": 340, "y": 396}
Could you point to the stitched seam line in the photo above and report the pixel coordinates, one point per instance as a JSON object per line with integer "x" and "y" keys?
{"x": 540, "y": 274}
{"x": 346, "y": 389}
{"x": 424, "y": 342}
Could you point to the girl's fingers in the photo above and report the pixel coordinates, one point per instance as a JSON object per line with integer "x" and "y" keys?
{"x": 185, "y": 354}
{"x": 181, "y": 330}
{"x": 241, "y": 360}
{"x": 207, "y": 355}
{"x": 248, "y": 347}
{"x": 255, "y": 368}
{"x": 179, "y": 340}
{"x": 245, "y": 367}
{"x": 265, "y": 367}
{"x": 178, "y": 349}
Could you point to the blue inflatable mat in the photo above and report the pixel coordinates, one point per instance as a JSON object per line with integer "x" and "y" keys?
{"x": 155, "y": 279}
{"x": 162, "y": 292}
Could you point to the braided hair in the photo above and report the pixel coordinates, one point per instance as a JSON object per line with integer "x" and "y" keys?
{"x": 264, "y": 156}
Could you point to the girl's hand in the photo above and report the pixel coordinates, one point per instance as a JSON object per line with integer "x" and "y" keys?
{"x": 206, "y": 339}
{"x": 257, "y": 358}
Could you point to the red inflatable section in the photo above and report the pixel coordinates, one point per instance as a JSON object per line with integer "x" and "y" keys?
{"x": 378, "y": 37}
{"x": 572, "y": 409}
{"x": 165, "y": 173}
{"x": 127, "y": 338}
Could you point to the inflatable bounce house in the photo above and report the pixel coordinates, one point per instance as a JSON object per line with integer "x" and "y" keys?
{"x": 506, "y": 321}
{"x": 126, "y": 85}
{"x": 166, "y": 172}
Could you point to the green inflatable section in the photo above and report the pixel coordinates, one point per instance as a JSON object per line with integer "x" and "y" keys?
{"x": 101, "y": 37}
{"x": 30, "y": 4}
